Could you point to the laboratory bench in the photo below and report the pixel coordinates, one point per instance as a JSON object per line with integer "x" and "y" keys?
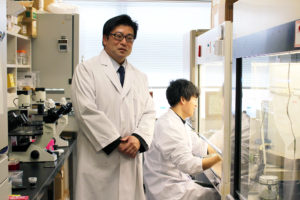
{"x": 46, "y": 173}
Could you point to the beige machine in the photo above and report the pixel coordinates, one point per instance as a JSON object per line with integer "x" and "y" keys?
{"x": 55, "y": 51}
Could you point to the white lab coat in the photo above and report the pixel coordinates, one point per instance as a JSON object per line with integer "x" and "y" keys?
{"x": 104, "y": 112}
{"x": 173, "y": 156}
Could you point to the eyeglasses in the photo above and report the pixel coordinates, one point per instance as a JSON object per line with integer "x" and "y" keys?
{"x": 119, "y": 36}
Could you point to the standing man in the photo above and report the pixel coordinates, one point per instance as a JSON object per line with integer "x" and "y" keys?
{"x": 116, "y": 118}
{"x": 176, "y": 152}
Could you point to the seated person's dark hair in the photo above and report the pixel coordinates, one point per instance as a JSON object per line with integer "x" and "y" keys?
{"x": 181, "y": 88}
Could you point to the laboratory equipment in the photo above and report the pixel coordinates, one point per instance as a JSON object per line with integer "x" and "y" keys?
{"x": 40, "y": 98}
{"x": 24, "y": 99}
{"x": 15, "y": 120}
{"x": 213, "y": 71}
{"x": 56, "y": 51}
{"x": 266, "y": 73}
{"x": 40, "y": 95}
{"x": 28, "y": 138}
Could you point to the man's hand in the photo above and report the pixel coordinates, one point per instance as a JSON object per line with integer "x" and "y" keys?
{"x": 129, "y": 146}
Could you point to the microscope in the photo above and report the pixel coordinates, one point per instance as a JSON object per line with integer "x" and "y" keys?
{"x": 58, "y": 117}
{"x": 33, "y": 125}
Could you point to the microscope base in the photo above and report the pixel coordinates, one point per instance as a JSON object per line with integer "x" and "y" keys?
{"x": 26, "y": 156}
{"x": 61, "y": 142}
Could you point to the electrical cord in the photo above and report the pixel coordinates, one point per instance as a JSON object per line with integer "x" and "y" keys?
{"x": 14, "y": 102}
{"x": 263, "y": 140}
{"x": 287, "y": 109}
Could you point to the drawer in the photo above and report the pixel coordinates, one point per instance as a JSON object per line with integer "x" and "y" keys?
{"x": 3, "y": 167}
{"x": 5, "y": 189}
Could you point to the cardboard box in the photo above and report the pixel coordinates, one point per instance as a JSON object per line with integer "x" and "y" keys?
{"x": 36, "y": 4}
{"x": 61, "y": 183}
{"x": 26, "y": 4}
{"x": 221, "y": 10}
{"x": 30, "y": 15}
{"x": 31, "y": 29}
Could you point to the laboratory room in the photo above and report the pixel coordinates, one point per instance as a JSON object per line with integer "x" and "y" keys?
{"x": 149, "y": 100}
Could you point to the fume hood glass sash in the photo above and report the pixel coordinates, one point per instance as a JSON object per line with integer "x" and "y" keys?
{"x": 267, "y": 105}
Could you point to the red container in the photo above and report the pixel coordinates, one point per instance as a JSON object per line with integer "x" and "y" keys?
{"x": 13, "y": 165}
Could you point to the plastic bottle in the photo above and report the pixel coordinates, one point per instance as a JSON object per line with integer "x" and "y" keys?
{"x": 21, "y": 57}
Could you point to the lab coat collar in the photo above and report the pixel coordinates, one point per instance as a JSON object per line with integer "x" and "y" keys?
{"x": 183, "y": 121}
{"x": 117, "y": 65}
{"x": 113, "y": 76}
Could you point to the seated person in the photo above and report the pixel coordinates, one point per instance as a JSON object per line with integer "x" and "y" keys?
{"x": 176, "y": 152}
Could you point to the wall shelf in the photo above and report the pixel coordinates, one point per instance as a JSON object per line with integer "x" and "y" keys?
{"x": 18, "y": 35}
{"x": 16, "y": 42}
{"x": 18, "y": 66}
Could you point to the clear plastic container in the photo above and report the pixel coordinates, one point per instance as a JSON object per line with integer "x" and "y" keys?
{"x": 21, "y": 57}
{"x": 268, "y": 187}
{"x": 16, "y": 178}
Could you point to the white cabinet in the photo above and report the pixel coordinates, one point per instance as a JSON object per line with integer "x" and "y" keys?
{"x": 5, "y": 189}
{"x": 16, "y": 64}
{"x": 5, "y": 186}
{"x": 3, "y": 167}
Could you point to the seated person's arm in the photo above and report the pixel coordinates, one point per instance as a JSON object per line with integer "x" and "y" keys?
{"x": 211, "y": 160}
{"x": 210, "y": 150}
{"x": 200, "y": 148}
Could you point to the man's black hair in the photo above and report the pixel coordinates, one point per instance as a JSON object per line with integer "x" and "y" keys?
{"x": 181, "y": 88}
{"x": 112, "y": 23}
